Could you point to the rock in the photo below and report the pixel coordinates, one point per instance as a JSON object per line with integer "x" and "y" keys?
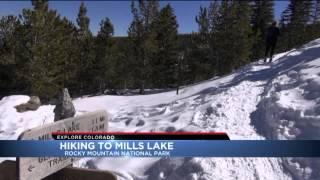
{"x": 34, "y": 100}
{"x": 33, "y": 104}
{"x": 64, "y": 108}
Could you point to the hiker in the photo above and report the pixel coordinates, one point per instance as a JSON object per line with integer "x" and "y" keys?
{"x": 272, "y": 35}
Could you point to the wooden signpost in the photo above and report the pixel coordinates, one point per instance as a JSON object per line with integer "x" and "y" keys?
{"x": 38, "y": 168}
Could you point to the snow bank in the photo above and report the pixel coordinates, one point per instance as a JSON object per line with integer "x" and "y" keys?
{"x": 290, "y": 106}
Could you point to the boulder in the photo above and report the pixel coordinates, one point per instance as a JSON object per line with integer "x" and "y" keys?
{"x": 33, "y": 104}
{"x": 35, "y": 100}
{"x": 64, "y": 108}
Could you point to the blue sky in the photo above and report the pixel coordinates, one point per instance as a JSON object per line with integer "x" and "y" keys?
{"x": 119, "y": 12}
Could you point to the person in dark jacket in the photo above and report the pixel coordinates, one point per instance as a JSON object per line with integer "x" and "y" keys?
{"x": 272, "y": 36}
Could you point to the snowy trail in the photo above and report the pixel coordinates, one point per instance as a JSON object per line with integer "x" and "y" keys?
{"x": 220, "y": 108}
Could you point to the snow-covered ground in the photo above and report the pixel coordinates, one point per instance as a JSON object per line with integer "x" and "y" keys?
{"x": 279, "y": 100}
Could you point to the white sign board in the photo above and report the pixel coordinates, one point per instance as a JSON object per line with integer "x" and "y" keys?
{"x": 38, "y": 168}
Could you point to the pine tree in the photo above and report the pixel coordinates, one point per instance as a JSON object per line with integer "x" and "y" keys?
{"x": 202, "y": 59}
{"x": 165, "y": 54}
{"x": 141, "y": 40}
{"x": 224, "y": 37}
{"x": 198, "y": 58}
{"x": 8, "y": 38}
{"x": 135, "y": 36}
{"x": 233, "y": 35}
{"x": 86, "y": 51}
{"x": 124, "y": 64}
{"x": 244, "y": 40}
{"x": 8, "y": 25}
{"x": 39, "y": 4}
{"x": 83, "y": 21}
{"x": 262, "y": 17}
{"x": 69, "y": 55}
{"x": 315, "y": 20}
{"x": 203, "y": 22}
{"x": 213, "y": 14}
{"x": 104, "y": 43}
{"x": 316, "y": 12}
{"x": 39, "y": 65}
{"x": 44, "y": 48}
{"x": 283, "y": 24}
{"x": 213, "y": 21}
{"x": 297, "y": 16}
{"x": 120, "y": 69}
